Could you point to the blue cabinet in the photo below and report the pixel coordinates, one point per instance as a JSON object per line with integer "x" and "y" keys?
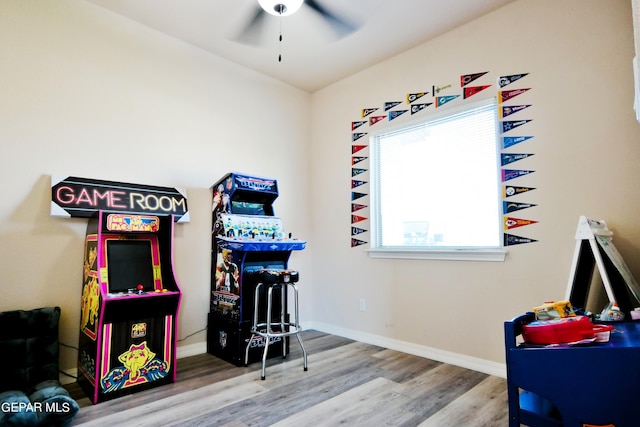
{"x": 574, "y": 386}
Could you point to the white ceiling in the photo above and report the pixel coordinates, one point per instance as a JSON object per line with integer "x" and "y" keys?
{"x": 313, "y": 56}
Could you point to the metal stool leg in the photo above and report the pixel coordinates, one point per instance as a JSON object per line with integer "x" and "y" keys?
{"x": 297, "y": 324}
{"x": 268, "y": 334}
{"x": 254, "y": 326}
{"x": 283, "y": 317}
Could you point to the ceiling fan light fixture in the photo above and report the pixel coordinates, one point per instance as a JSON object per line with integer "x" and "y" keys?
{"x": 281, "y": 7}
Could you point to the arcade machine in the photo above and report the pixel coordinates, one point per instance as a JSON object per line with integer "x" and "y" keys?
{"x": 246, "y": 238}
{"x": 130, "y": 302}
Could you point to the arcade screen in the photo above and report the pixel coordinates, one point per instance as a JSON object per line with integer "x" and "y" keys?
{"x": 129, "y": 263}
{"x": 247, "y": 208}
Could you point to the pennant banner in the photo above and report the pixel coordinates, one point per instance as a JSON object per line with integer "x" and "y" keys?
{"x": 472, "y": 90}
{"x": 468, "y": 78}
{"x": 375, "y": 119}
{"x": 357, "y": 218}
{"x": 509, "y": 191}
{"x": 356, "y": 207}
{"x": 505, "y": 95}
{"x": 389, "y": 105}
{"x": 509, "y": 125}
{"x": 355, "y": 231}
{"x": 508, "y": 207}
{"x": 510, "y": 222}
{"x": 367, "y": 111}
{"x": 509, "y": 174}
{"x": 419, "y": 107}
{"x": 394, "y": 114}
{"x": 510, "y": 240}
{"x": 437, "y": 89}
{"x": 505, "y": 159}
{"x": 507, "y": 111}
{"x": 507, "y": 80}
{"x": 357, "y": 159}
{"x": 508, "y": 141}
{"x": 441, "y": 100}
{"x": 411, "y": 97}
{"x": 356, "y": 148}
{"x": 356, "y": 242}
{"x": 357, "y": 136}
{"x": 356, "y": 125}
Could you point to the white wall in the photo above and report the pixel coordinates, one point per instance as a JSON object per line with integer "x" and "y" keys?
{"x": 586, "y": 144}
{"x": 86, "y": 93}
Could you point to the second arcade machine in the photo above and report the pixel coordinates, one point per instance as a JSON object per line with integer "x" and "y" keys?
{"x": 246, "y": 239}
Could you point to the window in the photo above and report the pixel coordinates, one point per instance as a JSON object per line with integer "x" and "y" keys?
{"x": 436, "y": 185}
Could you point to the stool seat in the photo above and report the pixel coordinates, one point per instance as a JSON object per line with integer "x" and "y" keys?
{"x": 274, "y": 329}
{"x": 272, "y": 275}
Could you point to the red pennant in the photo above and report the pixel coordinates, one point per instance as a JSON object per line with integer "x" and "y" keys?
{"x": 505, "y": 95}
{"x": 472, "y": 90}
{"x": 375, "y": 119}
{"x": 356, "y": 148}
{"x": 357, "y": 218}
{"x": 510, "y": 223}
{"x": 468, "y": 78}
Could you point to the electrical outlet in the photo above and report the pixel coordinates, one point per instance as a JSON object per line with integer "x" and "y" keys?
{"x": 363, "y": 304}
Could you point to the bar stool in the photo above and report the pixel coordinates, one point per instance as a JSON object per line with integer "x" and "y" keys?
{"x": 284, "y": 280}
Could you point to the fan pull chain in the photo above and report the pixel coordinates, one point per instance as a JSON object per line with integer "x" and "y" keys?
{"x": 280, "y": 42}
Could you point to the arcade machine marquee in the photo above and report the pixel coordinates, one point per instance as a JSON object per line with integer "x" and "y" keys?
{"x": 246, "y": 238}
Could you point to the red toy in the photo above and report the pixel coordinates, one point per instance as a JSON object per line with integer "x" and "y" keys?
{"x": 561, "y": 331}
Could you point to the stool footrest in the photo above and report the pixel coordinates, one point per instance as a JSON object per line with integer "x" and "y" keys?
{"x": 260, "y": 330}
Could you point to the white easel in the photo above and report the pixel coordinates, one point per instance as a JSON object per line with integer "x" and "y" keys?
{"x": 594, "y": 247}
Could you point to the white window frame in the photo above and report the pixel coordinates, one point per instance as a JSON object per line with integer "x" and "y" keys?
{"x": 497, "y": 253}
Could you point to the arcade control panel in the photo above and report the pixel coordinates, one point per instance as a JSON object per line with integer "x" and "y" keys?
{"x": 138, "y": 290}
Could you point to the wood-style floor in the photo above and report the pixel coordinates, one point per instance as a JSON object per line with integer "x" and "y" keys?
{"x": 348, "y": 383}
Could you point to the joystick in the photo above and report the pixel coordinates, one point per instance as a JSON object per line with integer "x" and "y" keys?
{"x": 139, "y": 288}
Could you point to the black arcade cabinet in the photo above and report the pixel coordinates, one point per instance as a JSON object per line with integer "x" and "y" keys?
{"x": 246, "y": 238}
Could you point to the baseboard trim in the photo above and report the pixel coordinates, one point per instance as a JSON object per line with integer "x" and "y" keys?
{"x": 464, "y": 361}
{"x": 192, "y": 349}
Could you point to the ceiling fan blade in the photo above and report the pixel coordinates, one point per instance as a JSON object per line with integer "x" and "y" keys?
{"x": 342, "y": 27}
{"x": 252, "y": 32}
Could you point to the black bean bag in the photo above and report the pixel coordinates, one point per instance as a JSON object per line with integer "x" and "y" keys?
{"x": 30, "y": 393}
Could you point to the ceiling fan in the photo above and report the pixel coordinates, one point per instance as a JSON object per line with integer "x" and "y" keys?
{"x": 252, "y": 32}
